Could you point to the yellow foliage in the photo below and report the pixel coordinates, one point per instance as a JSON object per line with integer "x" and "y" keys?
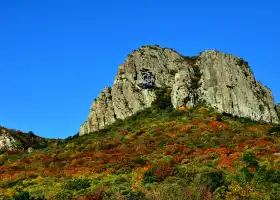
{"x": 236, "y": 189}
{"x": 74, "y": 162}
{"x": 11, "y": 192}
{"x": 214, "y": 118}
{"x": 39, "y": 178}
{"x": 129, "y": 137}
{"x": 172, "y": 135}
{"x": 181, "y": 108}
{"x": 202, "y": 108}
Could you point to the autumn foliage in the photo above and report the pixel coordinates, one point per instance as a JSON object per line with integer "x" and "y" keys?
{"x": 184, "y": 153}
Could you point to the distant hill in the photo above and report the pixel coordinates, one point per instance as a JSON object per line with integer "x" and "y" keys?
{"x": 17, "y": 140}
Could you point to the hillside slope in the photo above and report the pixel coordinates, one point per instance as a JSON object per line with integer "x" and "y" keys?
{"x": 222, "y": 81}
{"x": 14, "y": 140}
{"x": 158, "y": 153}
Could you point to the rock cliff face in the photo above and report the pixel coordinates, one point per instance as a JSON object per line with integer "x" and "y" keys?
{"x": 7, "y": 141}
{"x": 220, "y": 80}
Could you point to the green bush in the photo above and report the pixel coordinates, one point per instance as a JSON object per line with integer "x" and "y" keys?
{"x": 214, "y": 180}
{"x": 250, "y": 159}
{"x": 10, "y": 183}
{"x": 136, "y": 196}
{"x": 196, "y": 78}
{"x": 63, "y": 196}
{"x": 139, "y": 161}
{"x": 21, "y": 196}
{"x": 275, "y": 130}
{"x": 268, "y": 176}
{"x": 77, "y": 184}
{"x": 38, "y": 197}
{"x": 163, "y": 99}
{"x": 241, "y": 62}
{"x": 278, "y": 110}
{"x": 149, "y": 177}
{"x": 220, "y": 193}
{"x": 245, "y": 176}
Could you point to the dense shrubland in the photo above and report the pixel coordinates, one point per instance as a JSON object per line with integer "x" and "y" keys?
{"x": 158, "y": 153}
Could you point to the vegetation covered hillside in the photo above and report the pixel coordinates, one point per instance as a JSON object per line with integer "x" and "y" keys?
{"x": 158, "y": 153}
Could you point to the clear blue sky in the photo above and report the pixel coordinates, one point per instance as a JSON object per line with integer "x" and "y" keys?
{"x": 56, "y": 56}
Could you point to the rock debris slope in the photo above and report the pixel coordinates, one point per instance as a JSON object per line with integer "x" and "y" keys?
{"x": 216, "y": 79}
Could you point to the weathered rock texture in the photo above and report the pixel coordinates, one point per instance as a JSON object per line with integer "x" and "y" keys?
{"x": 278, "y": 109}
{"x": 220, "y": 80}
{"x": 7, "y": 141}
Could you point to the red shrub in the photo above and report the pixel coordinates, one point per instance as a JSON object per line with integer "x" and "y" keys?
{"x": 51, "y": 172}
{"x": 263, "y": 143}
{"x": 234, "y": 156}
{"x": 206, "y": 194}
{"x": 217, "y": 126}
{"x": 274, "y": 149}
{"x": 69, "y": 172}
{"x": 178, "y": 158}
{"x": 142, "y": 149}
{"x": 14, "y": 152}
{"x": 220, "y": 151}
{"x": 96, "y": 196}
{"x": 158, "y": 130}
{"x": 98, "y": 155}
{"x": 226, "y": 162}
{"x": 252, "y": 169}
{"x": 116, "y": 159}
{"x": 163, "y": 170}
{"x": 184, "y": 129}
{"x": 197, "y": 122}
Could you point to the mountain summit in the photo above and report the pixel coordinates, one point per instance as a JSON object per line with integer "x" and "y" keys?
{"x": 222, "y": 81}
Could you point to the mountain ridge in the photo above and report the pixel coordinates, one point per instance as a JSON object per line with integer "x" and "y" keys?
{"x": 16, "y": 140}
{"x": 213, "y": 78}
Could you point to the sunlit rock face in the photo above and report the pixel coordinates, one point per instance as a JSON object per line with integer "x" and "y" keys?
{"x": 216, "y": 79}
{"x": 7, "y": 142}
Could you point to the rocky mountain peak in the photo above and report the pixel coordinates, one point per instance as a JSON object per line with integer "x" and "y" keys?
{"x": 222, "y": 81}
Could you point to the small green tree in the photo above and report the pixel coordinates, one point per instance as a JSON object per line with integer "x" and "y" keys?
{"x": 21, "y": 196}
{"x": 163, "y": 99}
{"x": 77, "y": 184}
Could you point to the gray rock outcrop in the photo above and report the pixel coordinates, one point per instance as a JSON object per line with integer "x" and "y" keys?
{"x": 7, "y": 141}
{"x": 219, "y": 80}
{"x": 11, "y": 139}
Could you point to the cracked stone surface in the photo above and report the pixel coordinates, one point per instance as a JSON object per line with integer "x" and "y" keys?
{"x": 220, "y": 80}
{"x": 7, "y": 141}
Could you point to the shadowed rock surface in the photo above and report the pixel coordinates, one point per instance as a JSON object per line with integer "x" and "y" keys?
{"x": 278, "y": 109}
{"x": 222, "y": 81}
